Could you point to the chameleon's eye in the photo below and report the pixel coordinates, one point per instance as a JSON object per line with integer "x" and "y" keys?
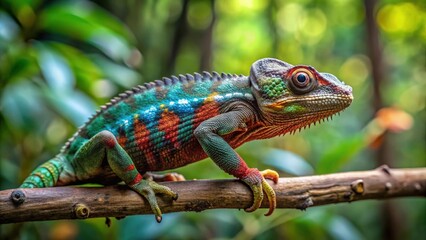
{"x": 302, "y": 81}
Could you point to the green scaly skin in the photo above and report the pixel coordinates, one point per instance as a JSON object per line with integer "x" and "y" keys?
{"x": 175, "y": 121}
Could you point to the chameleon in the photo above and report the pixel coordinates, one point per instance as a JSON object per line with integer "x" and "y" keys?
{"x": 169, "y": 123}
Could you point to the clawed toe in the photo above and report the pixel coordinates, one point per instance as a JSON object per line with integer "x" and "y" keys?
{"x": 271, "y": 175}
{"x": 148, "y": 189}
{"x": 270, "y": 193}
{"x": 259, "y": 186}
{"x": 257, "y": 198}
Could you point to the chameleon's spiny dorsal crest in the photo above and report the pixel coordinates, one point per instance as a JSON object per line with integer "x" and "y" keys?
{"x": 140, "y": 89}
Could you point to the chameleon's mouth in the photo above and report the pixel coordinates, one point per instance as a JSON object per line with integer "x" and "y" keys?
{"x": 310, "y": 105}
{"x": 296, "y": 114}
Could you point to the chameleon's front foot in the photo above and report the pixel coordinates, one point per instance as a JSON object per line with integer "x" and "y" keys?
{"x": 256, "y": 181}
{"x": 148, "y": 189}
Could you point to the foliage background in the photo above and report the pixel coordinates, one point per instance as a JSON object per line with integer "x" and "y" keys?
{"x": 60, "y": 60}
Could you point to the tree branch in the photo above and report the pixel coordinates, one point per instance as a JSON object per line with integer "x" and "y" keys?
{"x": 19, "y": 205}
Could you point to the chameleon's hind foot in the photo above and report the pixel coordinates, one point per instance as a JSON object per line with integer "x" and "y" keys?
{"x": 256, "y": 181}
{"x": 148, "y": 189}
{"x": 168, "y": 177}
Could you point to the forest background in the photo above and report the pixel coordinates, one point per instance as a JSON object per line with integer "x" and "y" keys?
{"x": 61, "y": 60}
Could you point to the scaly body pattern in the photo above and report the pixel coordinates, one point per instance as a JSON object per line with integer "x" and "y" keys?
{"x": 175, "y": 121}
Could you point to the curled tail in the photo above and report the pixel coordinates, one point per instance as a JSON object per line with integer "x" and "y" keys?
{"x": 45, "y": 175}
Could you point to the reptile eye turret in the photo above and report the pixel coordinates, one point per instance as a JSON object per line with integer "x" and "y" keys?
{"x": 302, "y": 81}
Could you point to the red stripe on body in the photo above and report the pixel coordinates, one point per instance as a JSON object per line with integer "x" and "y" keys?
{"x": 142, "y": 141}
{"x": 122, "y": 140}
{"x": 136, "y": 180}
{"x": 141, "y": 135}
{"x": 209, "y": 109}
{"x": 169, "y": 123}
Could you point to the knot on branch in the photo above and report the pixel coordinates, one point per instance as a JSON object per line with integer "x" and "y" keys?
{"x": 18, "y": 197}
{"x": 358, "y": 186}
{"x": 386, "y": 169}
{"x": 81, "y": 211}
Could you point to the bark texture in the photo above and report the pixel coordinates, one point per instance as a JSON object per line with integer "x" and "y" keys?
{"x": 20, "y": 205}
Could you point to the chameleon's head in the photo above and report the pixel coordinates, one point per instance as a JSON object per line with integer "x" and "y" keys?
{"x": 296, "y": 95}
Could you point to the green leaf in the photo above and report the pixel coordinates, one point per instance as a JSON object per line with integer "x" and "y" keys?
{"x": 86, "y": 22}
{"x": 340, "y": 228}
{"x": 287, "y": 162}
{"x": 20, "y": 65}
{"x": 9, "y": 29}
{"x": 19, "y": 4}
{"x": 85, "y": 70}
{"x": 74, "y": 106}
{"x": 336, "y": 157}
{"x": 55, "y": 69}
{"x": 22, "y": 106}
{"x": 120, "y": 74}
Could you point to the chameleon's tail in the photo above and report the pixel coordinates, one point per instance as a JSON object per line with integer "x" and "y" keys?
{"x": 45, "y": 175}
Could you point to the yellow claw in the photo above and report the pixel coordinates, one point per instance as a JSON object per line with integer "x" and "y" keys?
{"x": 264, "y": 187}
{"x": 270, "y": 193}
{"x": 257, "y": 198}
{"x": 271, "y": 175}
